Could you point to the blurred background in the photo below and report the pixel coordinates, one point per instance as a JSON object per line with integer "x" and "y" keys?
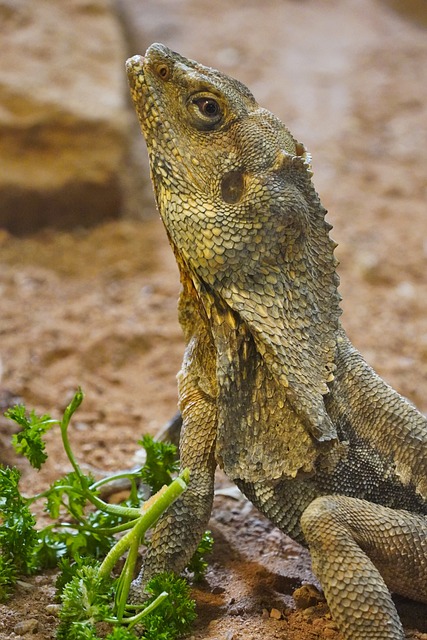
{"x": 88, "y": 283}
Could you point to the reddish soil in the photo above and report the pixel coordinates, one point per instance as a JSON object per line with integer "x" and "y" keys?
{"x": 98, "y": 308}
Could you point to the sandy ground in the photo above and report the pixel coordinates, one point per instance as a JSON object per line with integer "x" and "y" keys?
{"x": 98, "y": 308}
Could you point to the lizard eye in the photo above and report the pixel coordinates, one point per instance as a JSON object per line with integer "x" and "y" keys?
{"x": 206, "y": 112}
{"x": 208, "y": 107}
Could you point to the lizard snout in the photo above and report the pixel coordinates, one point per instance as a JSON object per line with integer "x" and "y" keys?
{"x": 134, "y": 64}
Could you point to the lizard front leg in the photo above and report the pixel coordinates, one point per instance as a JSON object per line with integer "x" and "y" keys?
{"x": 179, "y": 530}
{"x": 360, "y": 552}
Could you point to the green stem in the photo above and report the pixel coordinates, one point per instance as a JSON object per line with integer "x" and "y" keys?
{"x": 125, "y": 579}
{"x": 60, "y": 488}
{"x": 97, "y": 502}
{"x": 69, "y": 411}
{"x": 127, "y": 512}
{"x": 130, "y": 475}
{"x": 117, "y": 529}
{"x": 158, "y": 504}
{"x": 131, "y": 622}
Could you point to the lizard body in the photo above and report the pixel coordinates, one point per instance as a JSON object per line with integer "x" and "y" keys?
{"x": 271, "y": 389}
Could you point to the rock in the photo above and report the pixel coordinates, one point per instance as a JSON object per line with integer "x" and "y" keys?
{"x": 53, "y": 609}
{"x": 218, "y": 590}
{"x": 307, "y": 596}
{"x": 25, "y": 627}
{"x": 63, "y": 113}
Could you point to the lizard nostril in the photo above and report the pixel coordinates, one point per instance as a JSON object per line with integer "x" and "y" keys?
{"x": 163, "y": 71}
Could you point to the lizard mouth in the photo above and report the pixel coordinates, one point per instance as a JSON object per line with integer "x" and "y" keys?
{"x": 134, "y": 66}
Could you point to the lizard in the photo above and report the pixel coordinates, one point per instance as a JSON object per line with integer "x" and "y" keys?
{"x": 271, "y": 389}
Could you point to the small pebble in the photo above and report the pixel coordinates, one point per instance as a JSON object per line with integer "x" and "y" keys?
{"x": 307, "y": 596}
{"x": 217, "y": 590}
{"x": 25, "y": 585}
{"x": 276, "y": 614}
{"x": 53, "y": 609}
{"x": 26, "y": 626}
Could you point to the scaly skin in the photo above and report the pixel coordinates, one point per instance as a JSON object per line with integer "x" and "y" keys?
{"x": 271, "y": 388}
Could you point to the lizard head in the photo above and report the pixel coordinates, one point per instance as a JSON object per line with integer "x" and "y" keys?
{"x": 213, "y": 152}
{"x": 234, "y": 190}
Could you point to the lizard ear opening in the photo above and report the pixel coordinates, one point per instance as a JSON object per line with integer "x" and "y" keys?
{"x": 232, "y": 186}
